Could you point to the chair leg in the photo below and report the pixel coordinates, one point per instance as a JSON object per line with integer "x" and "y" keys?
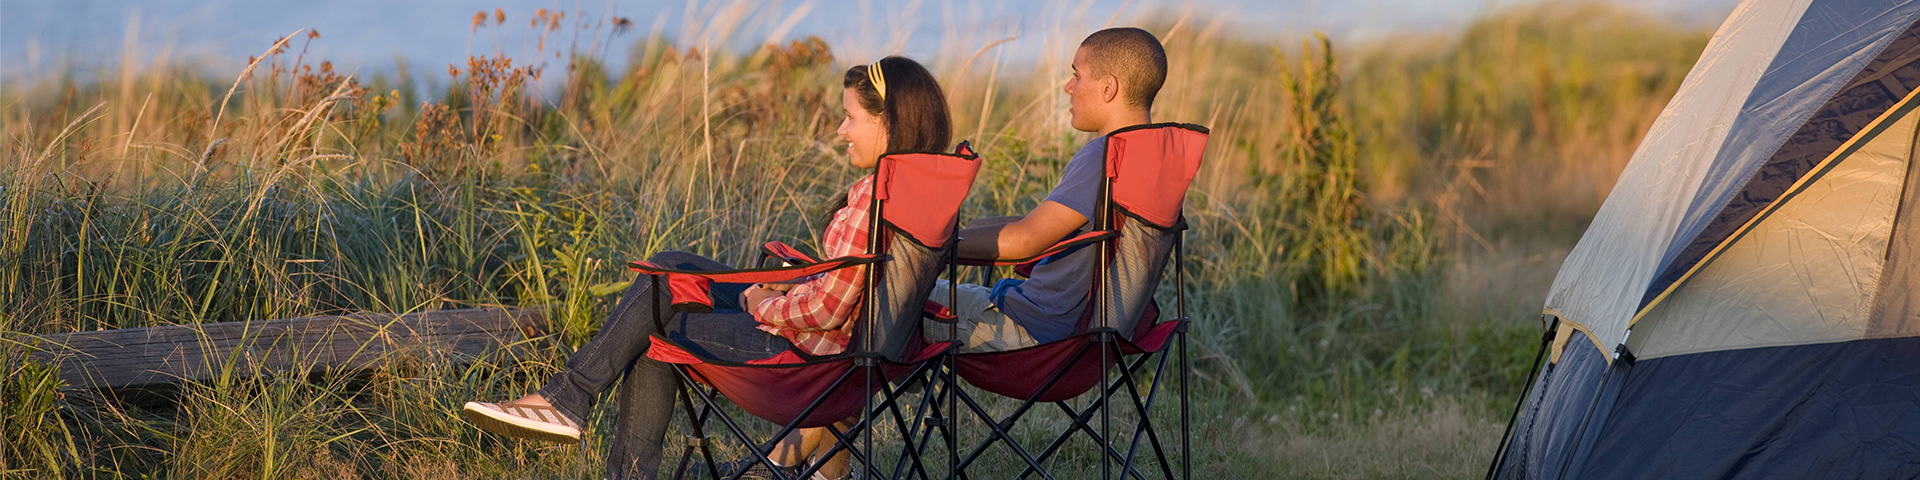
{"x": 938, "y": 418}
{"x": 1106, "y": 345}
{"x": 695, "y": 421}
{"x": 953, "y": 421}
{"x": 907, "y": 429}
{"x": 1081, "y": 417}
{"x": 1078, "y": 423}
{"x": 1186, "y": 370}
{"x": 999, "y": 432}
{"x": 860, "y": 431}
{"x": 686, "y": 454}
{"x": 1145, "y": 424}
{"x": 845, "y": 441}
{"x": 759, "y": 453}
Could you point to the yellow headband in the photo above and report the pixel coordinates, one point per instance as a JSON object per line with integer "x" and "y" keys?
{"x": 878, "y": 79}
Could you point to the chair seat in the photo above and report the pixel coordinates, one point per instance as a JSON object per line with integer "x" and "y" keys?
{"x": 778, "y": 388}
{"x": 1022, "y": 373}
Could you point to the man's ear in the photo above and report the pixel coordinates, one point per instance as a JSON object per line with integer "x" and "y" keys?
{"x": 1109, "y": 88}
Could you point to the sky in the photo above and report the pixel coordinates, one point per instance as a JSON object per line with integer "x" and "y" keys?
{"x": 42, "y": 37}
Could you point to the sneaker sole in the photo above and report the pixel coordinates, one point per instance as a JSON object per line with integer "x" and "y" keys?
{"x": 512, "y": 426}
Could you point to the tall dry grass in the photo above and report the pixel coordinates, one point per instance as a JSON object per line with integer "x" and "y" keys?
{"x": 1367, "y": 228}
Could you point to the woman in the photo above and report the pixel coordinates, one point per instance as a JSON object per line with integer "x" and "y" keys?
{"x": 896, "y": 107}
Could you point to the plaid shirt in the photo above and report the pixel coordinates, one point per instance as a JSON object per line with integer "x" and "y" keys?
{"x": 815, "y": 315}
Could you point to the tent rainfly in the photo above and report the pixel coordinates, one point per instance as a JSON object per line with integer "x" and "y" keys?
{"x": 1746, "y": 304}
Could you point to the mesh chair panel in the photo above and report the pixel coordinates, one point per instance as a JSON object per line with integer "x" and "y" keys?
{"x": 900, "y": 294}
{"x": 920, "y": 196}
{"x": 1140, "y": 255}
{"x": 1150, "y": 168}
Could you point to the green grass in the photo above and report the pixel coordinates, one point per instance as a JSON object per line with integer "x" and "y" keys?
{"x": 1371, "y": 232}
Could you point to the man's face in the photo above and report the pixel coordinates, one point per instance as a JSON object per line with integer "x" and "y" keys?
{"x": 1084, "y": 90}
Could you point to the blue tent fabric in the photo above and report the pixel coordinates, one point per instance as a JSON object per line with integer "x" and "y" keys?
{"x": 1837, "y": 410}
{"x": 1540, "y": 445}
{"x": 1889, "y": 76}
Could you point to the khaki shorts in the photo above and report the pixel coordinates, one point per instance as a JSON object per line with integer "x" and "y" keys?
{"x": 981, "y": 327}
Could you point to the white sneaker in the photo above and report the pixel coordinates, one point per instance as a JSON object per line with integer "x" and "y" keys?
{"x": 537, "y": 422}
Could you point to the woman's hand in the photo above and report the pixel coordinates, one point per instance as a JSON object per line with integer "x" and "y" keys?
{"x": 758, "y": 293}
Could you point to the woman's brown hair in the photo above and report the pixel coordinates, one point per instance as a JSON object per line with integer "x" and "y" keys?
{"x": 914, "y": 107}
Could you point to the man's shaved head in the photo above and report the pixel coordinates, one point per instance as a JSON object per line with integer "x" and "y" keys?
{"x": 1131, "y": 55}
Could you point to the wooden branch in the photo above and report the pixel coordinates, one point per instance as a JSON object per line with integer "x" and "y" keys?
{"x": 180, "y": 353}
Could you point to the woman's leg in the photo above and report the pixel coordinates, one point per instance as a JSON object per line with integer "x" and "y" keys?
{"x": 645, "y": 401}
{"x": 645, "y": 407}
{"x": 807, "y": 444}
{"x": 623, "y": 338}
{"x": 728, "y": 335}
{"x": 737, "y": 337}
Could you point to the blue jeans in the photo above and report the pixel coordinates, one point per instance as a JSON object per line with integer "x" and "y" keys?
{"x": 618, "y": 353}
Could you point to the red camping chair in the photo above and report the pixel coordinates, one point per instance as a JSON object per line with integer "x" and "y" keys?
{"x": 1138, "y": 224}
{"x": 913, "y": 221}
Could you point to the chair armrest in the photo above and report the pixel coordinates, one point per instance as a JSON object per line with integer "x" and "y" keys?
{"x": 939, "y": 313}
{"x": 786, "y": 253}
{"x": 1075, "y": 241}
{"x": 689, "y": 287}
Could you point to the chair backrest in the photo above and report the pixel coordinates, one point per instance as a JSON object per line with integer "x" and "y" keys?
{"x": 1148, "y": 170}
{"x": 916, "y": 214}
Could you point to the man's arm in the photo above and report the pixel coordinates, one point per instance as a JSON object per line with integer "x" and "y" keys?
{"x": 1021, "y": 238}
{"x": 992, "y": 221}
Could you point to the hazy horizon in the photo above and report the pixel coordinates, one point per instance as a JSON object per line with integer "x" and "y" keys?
{"x": 40, "y": 37}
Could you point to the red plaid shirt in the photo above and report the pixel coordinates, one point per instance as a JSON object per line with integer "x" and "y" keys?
{"x": 816, "y": 314}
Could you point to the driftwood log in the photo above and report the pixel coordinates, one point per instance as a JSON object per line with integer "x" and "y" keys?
{"x": 135, "y": 357}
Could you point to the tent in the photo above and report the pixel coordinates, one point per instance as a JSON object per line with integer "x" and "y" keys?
{"x": 1746, "y": 303}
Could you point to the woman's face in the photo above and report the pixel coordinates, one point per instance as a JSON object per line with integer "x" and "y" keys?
{"x": 865, "y": 133}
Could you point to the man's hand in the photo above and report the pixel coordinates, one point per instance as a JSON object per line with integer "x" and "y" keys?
{"x": 1022, "y": 237}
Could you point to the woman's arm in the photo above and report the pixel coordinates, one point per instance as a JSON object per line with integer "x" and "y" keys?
{"x": 826, "y": 301}
{"x": 822, "y": 305}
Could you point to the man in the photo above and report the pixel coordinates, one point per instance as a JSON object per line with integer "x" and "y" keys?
{"x": 1116, "y": 74}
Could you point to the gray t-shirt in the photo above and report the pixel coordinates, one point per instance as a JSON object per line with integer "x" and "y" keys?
{"x": 1049, "y": 304}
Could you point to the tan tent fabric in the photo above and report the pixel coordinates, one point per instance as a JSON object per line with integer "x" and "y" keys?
{"x": 1602, "y": 280}
{"x": 1896, "y": 306}
{"x": 1805, "y": 274}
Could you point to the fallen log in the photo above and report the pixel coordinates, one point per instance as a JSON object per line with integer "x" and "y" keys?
{"x": 172, "y": 354}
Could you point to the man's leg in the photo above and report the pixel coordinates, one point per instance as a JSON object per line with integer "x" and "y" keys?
{"x": 979, "y": 327}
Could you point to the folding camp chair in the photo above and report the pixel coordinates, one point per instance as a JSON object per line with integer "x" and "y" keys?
{"x": 913, "y": 221}
{"x": 1138, "y": 224}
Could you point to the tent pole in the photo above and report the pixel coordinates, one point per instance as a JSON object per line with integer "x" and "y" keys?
{"x": 1546, "y": 339}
